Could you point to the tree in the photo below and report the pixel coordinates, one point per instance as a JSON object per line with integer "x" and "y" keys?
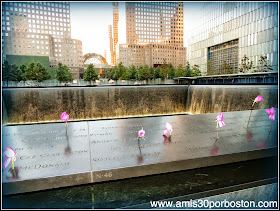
{"x": 17, "y": 73}
{"x": 132, "y": 73}
{"x": 44, "y": 73}
{"x": 7, "y": 74}
{"x": 156, "y": 73}
{"x": 23, "y": 69}
{"x": 180, "y": 71}
{"x": 152, "y": 71}
{"x": 195, "y": 71}
{"x": 90, "y": 73}
{"x": 246, "y": 65}
{"x": 144, "y": 73}
{"x": 37, "y": 72}
{"x": 164, "y": 70}
{"x": 30, "y": 71}
{"x": 210, "y": 69}
{"x": 263, "y": 65}
{"x": 171, "y": 71}
{"x": 63, "y": 74}
{"x": 121, "y": 72}
{"x": 111, "y": 73}
{"x": 11, "y": 72}
{"x": 225, "y": 68}
{"x": 188, "y": 70}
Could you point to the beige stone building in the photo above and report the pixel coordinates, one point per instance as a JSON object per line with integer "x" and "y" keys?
{"x": 154, "y": 33}
{"x": 41, "y": 29}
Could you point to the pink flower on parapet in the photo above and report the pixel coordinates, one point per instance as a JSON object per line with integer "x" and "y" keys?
{"x": 220, "y": 120}
{"x": 258, "y": 98}
{"x": 10, "y": 155}
{"x": 214, "y": 151}
{"x": 262, "y": 145}
{"x": 271, "y": 113}
{"x": 141, "y": 133}
{"x": 168, "y": 127}
{"x": 64, "y": 116}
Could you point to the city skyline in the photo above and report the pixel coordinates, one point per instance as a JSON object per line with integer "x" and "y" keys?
{"x": 100, "y": 15}
{"x": 206, "y": 28}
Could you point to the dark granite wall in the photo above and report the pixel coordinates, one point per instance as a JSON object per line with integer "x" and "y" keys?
{"x": 46, "y": 104}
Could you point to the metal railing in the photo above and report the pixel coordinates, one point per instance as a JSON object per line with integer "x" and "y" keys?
{"x": 81, "y": 82}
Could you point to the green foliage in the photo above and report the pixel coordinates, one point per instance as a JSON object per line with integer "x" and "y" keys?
{"x": 17, "y": 73}
{"x": 246, "y": 65}
{"x": 144, "y": 73}
{"x": 63, "y": 74}
{"x": 195, "y": 71}
{"x": 11, "y": 72}
{"x": 120, "y": 72}
{"x": 210, "y": 69}
{"x": 156, "y": 73}
{"x": 45, "y": 75}
{"x": 171, "y": 71}
{"x": 263, "y": 65}
{"x": 180, "y": 71}
{"x": 8, "y": 72}
{"x": 225, "y": 68}
{"x": 90, "y": 73}
{"x": 111, "y": 73}
{"x": 36, "y": 71}
{"x": 152, "y": 72}
{"x": 188, "y": 70}
{"x": 164, "y": 70}
{"x": 23, "y": 69}
{"x": 132, "y": 73}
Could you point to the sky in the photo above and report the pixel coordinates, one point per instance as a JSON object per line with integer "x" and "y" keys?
{"x": 90, "y": 21}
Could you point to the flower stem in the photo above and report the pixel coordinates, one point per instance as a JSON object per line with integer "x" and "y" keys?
{"x": 249, "y": 119}
{"x": 14, "y": 173}
{"x": 217, "y": 129}
{"x": 270, "y": 127}
{"x": 13, "y": 164}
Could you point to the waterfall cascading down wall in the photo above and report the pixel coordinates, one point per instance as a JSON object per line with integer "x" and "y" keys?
{"x": 223, "y": 98}
{"x": 26, "y": 105}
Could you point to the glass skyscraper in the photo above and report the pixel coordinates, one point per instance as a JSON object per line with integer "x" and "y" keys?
{"x": 229, "y": 30}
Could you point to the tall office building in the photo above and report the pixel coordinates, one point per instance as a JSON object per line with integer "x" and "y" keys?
{"x": 114, "y": 34}
{"x": 230, "y": 30}
{"x": 154, "y": 33}
{"x": 41, "y": 29}
{"x": 111, "y": 42}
